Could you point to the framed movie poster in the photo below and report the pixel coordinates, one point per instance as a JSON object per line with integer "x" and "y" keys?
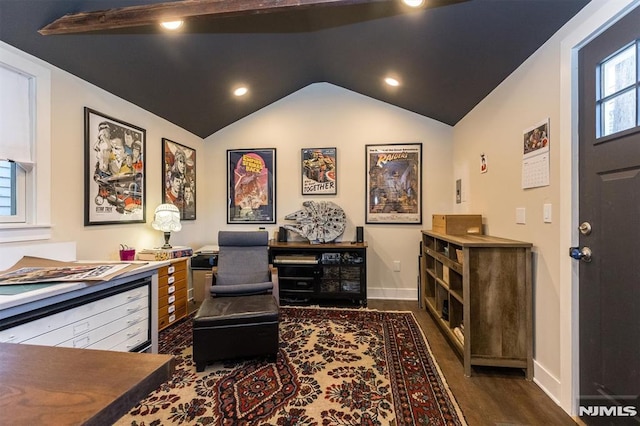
{"x": 394, "y": 183}
{"x": 114, "y": 170}
{"x": 179, "y": 178}
{"x": 251, "y": 185}
{"x": 319, "y": 171}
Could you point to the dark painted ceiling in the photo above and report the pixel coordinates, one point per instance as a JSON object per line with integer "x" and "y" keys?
{"x": 448, "y": 58}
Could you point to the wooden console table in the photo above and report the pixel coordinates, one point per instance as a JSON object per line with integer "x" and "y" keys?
{"x": 46, "y": 385}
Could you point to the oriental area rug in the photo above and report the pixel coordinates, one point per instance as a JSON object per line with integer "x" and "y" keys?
{"x": 335, "y": 367}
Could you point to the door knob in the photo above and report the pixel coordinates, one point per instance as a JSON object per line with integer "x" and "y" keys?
{"x": 585, "y": 228}
{"x": 583, "y": 253}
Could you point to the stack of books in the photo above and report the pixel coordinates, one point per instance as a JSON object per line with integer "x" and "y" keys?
{"x": 165, "y": 254}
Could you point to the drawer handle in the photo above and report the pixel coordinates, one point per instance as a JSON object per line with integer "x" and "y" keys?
{"x": 135, "y": 344}
{"x": 171, "y": 280}
{"x": 134, "y": 296}
{"x": 82, "y": 342}
{"x": 172, "y": 318}
{"x": 134, "y": 321}
{"x": 80, "y": 328}
{"x": 172, "y": 309}
{"x": 135, "y": 333}
{"x": 171, "y": 269}
{"x": 137, "y": 308}
{"x": 10, "y": 339}
{"x": 171, "y": 299}
{"x": 171, "y": 289}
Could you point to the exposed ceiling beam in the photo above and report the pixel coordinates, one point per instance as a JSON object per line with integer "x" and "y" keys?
{"x": 153, "y": 14}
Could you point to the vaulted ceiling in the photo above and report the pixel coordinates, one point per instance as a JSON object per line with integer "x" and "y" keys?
{"x": 447, "y": 58}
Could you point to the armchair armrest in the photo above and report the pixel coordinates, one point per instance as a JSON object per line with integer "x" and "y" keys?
{"x": 274, "y": 279}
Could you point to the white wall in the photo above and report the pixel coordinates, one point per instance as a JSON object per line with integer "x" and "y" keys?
{"x": 324, "y": 115}
{"x": 69, "y": 96}
{"x": 543, "y": 87}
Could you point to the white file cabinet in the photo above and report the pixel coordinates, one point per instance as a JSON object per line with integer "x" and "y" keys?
{"x": 115, "y": 318}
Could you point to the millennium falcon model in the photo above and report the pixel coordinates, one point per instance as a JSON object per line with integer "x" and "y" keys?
{"x": 318, "y": 221}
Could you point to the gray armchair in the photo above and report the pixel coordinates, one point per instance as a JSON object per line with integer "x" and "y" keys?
{"x": 243, "y": 265}
{"x": 246, "y": 324}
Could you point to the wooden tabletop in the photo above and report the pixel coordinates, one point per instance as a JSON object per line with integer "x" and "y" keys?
{"x": 44, "y": 385}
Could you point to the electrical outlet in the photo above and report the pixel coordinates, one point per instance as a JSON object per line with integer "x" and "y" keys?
{"x": 396, "y": 266}
{"x": 521, "y": 215}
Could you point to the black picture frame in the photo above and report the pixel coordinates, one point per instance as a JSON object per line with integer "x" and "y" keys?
{"x": 394, "y": 183}
{"x": 179, "y": 177}
{"x": 319, "y": 171}
{"x": 114, "y": 170}
{"x": 251, "y": 186}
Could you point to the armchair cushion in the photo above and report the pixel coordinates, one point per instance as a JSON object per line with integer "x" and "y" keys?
{"x": 243, "y": 264}
{"x": 241, "y": 289}
{"x": 240, "y": 265}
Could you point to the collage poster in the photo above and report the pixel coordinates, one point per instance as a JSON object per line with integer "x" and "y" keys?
{"x": 114, "y": 174}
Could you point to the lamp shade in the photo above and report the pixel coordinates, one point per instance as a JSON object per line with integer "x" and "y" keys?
{"x": 166, "y": 218}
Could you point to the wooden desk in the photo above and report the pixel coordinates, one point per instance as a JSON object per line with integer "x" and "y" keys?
{"x": 46, "y": 385}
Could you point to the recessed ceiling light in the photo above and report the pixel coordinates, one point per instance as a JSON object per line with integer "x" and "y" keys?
{"x": 171, "y": 25}
{"x": 392, "y": 81}
{"x": 413, "y": 3}
{"x": 240, "y": 91}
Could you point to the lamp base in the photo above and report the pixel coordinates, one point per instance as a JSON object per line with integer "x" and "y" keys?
{"x": 166, "y": 245}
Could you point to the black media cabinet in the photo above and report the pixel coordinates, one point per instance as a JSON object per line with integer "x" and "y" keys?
{"x": 320, "y": 274}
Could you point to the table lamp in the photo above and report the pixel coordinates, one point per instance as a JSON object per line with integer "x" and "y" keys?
{"x": 166, "y": 218}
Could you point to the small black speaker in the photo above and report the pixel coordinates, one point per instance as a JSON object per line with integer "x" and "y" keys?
{"x": 359, "y": 234}
{"x": 282, "y": 235}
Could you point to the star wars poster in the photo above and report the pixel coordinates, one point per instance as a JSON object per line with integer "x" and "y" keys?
{"x": 251, "y": 189}
{"x": 319, "y": 170}
{"x": 114, "y": 170}
{"x": 394, "y": 183}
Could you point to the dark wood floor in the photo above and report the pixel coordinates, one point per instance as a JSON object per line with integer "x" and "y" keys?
{"x": 490, "y": 396}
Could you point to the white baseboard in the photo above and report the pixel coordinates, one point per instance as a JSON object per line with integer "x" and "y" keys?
{"x": 547, "y": 382}
{"x": 392, "y": 293}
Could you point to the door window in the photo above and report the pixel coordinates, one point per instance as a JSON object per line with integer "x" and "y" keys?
{"x": 617, "y": 103}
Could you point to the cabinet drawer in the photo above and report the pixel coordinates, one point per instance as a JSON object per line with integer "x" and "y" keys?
{"x": 81, "y": 333}
{"x": 138, "y": 331}
{"x": 171, "y": 288}
{"x": 297, "y": 284}
{"x": 168, "y": 299}
{"x": 172, "y": 269}
{"x": 166, "y": 319}
{"x": 73, "y": 317}
{"x": 136, "y": 337}
{"x": 172, "y": 278}
{"x": 172, "y": 307}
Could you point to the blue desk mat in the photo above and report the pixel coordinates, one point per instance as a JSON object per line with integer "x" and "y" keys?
{"x": 10, "y": 290}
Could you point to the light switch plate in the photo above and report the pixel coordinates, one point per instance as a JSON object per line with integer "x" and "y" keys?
{"x": 546, "y": 212}
{"x": 521, "y": 215}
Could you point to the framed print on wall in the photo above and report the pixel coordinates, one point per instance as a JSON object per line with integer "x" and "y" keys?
{"x": 251, "y": 185}
{"x": 319, "y": 171}
{"x": 179, "y": 178}
{"x": 394, "y": 183}
{"x": 114, "y": 170}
